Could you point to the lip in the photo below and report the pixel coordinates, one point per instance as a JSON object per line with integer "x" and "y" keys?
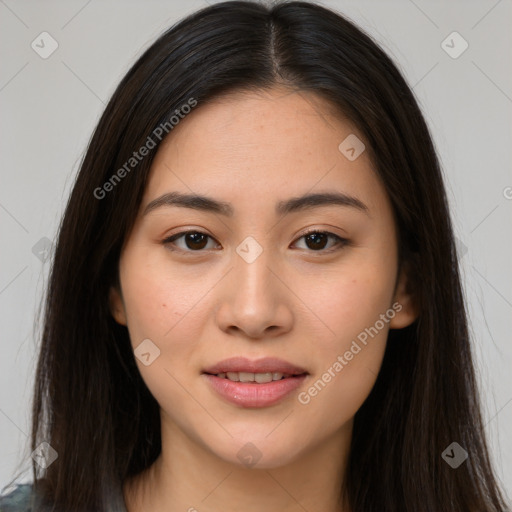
{"x": 264, "y": 365}
{"x": 250, "y": 394}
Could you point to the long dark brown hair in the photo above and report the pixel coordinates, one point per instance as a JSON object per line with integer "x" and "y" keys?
{"x": 90, "y": 402}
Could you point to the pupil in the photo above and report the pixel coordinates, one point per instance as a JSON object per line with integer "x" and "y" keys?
{"x": 194, "y": 238}
{"x": 317, "y": 237}
{"x": 197, "y": 240}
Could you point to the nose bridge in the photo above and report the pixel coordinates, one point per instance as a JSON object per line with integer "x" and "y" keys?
{"x": 255, "y": 301}
{"x": 253, "y": 275}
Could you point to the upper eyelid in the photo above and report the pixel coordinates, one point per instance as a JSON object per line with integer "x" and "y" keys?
{"x": 180, "y": 234}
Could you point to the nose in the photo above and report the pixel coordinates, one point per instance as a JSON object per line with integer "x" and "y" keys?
{"x": 255, "y": 300}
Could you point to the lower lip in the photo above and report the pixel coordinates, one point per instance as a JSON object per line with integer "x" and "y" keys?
{"x": 250, "y": 394}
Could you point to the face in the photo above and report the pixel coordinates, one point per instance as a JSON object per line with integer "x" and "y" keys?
{"x": 304, "y": 288}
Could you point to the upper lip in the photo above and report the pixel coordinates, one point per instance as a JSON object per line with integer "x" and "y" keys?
{"x": 264, "y": 365}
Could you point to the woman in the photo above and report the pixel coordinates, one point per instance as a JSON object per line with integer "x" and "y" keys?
{"x": 255, "y": 301}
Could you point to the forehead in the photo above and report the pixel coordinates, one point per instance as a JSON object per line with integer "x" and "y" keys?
{"x": 260, "y": 144}
{"x": 254, "y": 122}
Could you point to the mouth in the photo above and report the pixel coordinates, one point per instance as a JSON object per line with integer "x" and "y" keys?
{"x": 259, "y": 383}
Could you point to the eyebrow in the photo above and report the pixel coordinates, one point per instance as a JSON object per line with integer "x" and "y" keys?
{"x": 294, "y": 204}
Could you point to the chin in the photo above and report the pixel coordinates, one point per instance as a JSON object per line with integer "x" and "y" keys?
{"x": 258, "y": 452}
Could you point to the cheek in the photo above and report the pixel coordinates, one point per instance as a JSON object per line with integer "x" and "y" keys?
{"x": 169, "y": 309}
{"x": 349, "y": 359}
{"x": 346, "y": 367}
{"x": 347, "y": 300}
{"x": 158, "y": 299}
{"x": 334, "y": 396}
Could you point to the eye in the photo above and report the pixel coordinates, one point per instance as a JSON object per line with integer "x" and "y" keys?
{"x": 194, "y": 241}
{"x": 317, "y": 240}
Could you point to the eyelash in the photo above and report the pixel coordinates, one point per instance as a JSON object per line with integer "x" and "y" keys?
{"x": 340, "y": 242}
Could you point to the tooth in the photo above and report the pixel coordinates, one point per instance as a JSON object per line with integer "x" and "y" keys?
{"x": 261, "y": 378}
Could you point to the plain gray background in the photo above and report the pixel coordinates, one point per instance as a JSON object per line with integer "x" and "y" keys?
{"x": 50, "y": 107}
